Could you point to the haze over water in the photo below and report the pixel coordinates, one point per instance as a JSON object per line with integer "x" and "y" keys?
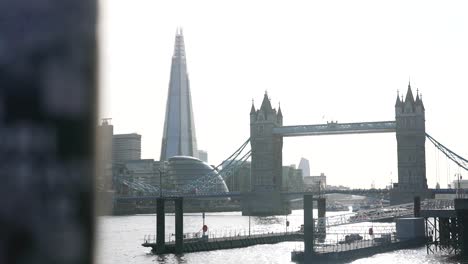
{"x": 119, "y": 240}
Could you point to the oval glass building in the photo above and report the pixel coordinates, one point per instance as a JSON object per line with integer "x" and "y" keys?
{"x": 190, "y": 175}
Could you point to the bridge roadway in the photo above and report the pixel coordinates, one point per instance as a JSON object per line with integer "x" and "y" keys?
{"x": 370, "y": 215}
{"x": 362, "y": 192}
{"x": 170, "y": 195}
{"x": 381, "y": 214}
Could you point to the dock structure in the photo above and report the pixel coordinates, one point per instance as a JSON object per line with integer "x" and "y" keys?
{"x": 446, "y": 222}
{"x": 357, "y": 247}
{"x": 353, "y": 250}
{"x": 184, "y": 244}
{"x": 314, "y": 232}
{"x": 235, "y": 241}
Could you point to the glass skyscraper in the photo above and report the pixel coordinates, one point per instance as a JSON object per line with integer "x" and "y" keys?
{"x": 179, "y": 138}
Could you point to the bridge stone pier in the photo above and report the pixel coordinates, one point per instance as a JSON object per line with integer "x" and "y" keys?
{"x": 266, "y": 139}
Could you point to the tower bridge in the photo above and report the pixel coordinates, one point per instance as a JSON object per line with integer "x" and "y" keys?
{"x": 266, "y": 139}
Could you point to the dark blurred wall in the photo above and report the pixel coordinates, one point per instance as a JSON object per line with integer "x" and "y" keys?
{"x": 47, "y": 116}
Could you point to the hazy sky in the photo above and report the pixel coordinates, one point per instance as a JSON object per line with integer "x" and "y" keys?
{"x": 323, "y": 60}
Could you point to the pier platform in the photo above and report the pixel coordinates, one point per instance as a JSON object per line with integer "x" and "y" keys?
{"x": 204, "y": 244}
{"x": 354, "y": 250}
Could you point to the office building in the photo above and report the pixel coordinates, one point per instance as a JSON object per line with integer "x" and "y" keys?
{"x": 126, "y": 147}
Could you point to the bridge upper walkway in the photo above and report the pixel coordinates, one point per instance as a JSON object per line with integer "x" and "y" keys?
{"x": 336, "y": 128}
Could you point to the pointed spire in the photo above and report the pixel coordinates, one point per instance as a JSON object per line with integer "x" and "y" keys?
{"x": 409, "y": 94}
{"x": 266, "y": 104}
{"x": 419, "y": 101}
{"x": 252, "y": 109}
{"x": 280, "y": 114}
{"x": 398, "y": 101}
{"x": 179, "y": 46}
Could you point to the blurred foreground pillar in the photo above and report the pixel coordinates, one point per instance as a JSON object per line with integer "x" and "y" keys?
{"x": 47, "y": 119}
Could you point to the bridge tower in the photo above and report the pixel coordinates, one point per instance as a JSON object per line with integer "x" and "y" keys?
{"x": 266, "y": 147}
{"x": 411, "y": 137}
{"x": 264, "y": 197}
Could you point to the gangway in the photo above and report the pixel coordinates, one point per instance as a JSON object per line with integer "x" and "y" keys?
{"x": 388, "y": 212}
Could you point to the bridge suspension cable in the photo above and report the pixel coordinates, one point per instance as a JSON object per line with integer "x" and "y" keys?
{"x": 459, "y": 160}
{"x": 233, "y": 155}
{"x": 135, "y": 185}
{"x": 210, "y": 180}
{"x": 228, "y": 171}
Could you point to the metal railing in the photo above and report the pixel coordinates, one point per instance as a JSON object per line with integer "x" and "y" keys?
{"x": 367, "y": 215}
{"x": 329, "y": 246}
{"x": 438, "y": 204}
{"x": 218, "y": 235}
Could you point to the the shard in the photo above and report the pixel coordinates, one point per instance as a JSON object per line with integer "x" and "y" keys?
{"x": 179, "y": 137}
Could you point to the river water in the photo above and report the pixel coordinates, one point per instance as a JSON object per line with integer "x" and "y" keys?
{"x": 119, "y": 239}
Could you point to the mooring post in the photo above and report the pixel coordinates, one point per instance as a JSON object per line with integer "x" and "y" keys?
{"x": 160, "y": 226}
{"x": 461, "y": 209}
{"x": 321, "y": 224}
{"x": 179, "y": 225}
{"x": 444, "y": 231}
{"x": 417, "y": 206}
{"x": 322, "y": 207}
{"x": 308, "y": 228}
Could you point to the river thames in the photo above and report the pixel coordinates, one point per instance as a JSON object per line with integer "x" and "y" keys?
{"x": 119, "y": 239}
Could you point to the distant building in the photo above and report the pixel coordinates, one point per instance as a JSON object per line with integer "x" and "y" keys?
{"x": 104, "y": 155}
{"x": 238, "y": 180}
{"x": 315, "y": 183}
{"x": 304, "y": 166}
{"x": 105, "y": 131}
{"x": 191, "y": 175}
{"x": 145, "y": 170}
{"x": 126, "y": 147}
{"x": 292, "y": 178}
{"x": 463, "y": 184}
{"x": 203, "y": 155}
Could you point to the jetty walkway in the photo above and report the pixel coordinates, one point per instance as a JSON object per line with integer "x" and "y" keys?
{"x": 235, "y": 241}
